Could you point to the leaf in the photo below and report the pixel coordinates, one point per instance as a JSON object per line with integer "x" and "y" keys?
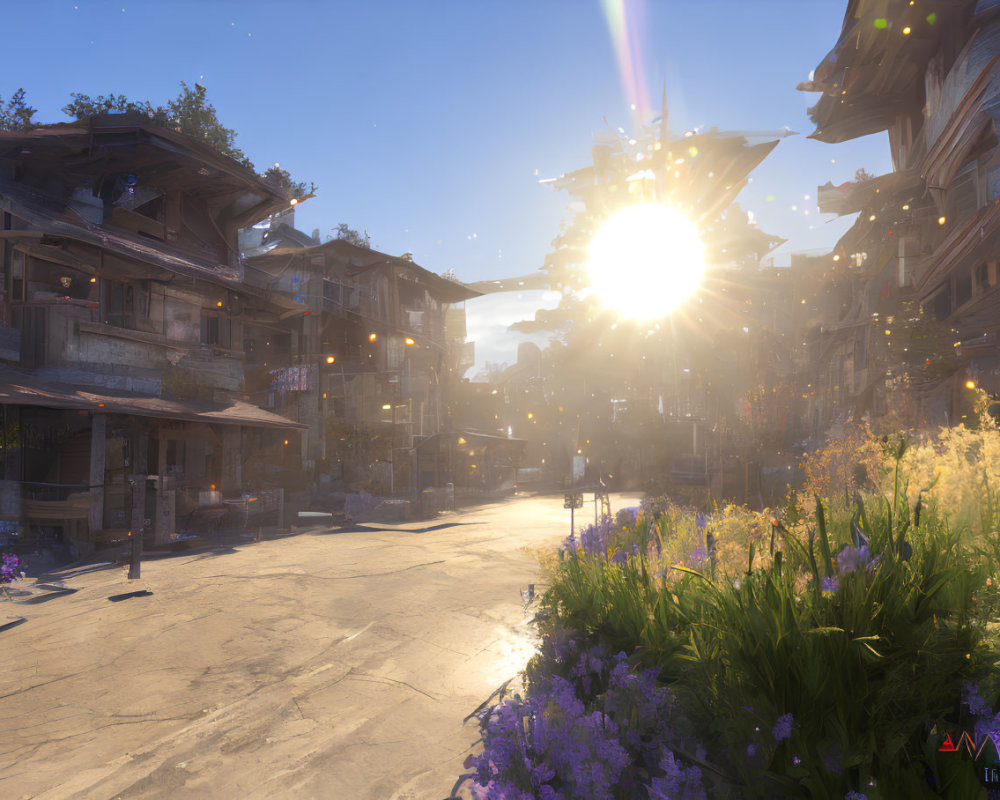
{"x": 824, "y": 541}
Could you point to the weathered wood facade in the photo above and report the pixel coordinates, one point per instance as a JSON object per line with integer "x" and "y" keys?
{"x": 123, "y": 306}
{"x": 365, "y": 354}
{"x": 926, "y": 244}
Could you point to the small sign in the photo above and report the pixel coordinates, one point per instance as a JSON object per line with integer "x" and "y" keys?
{"x": 573, "y": 500}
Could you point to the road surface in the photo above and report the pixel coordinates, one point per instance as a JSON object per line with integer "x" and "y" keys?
{"x": 323, "y": 665}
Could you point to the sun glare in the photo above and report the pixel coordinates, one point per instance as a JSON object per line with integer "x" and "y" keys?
{"x": 646, "y": 260}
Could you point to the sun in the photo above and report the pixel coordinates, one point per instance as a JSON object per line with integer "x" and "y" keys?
{"x": 646, "y": 260}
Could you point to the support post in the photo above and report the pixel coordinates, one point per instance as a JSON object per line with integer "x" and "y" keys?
{"x": 136, "y": 493}
{"x": 98, "y": 444}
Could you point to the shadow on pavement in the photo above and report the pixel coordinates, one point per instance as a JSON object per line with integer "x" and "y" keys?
{"x": 44, "y": 598}
{"x": 117, "y": 598}
{"x": 363, "y": 528}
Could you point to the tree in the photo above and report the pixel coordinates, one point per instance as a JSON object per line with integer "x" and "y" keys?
{"x": 83, "y": 106}
{"x": 281, "y": 180}
{"x": 16, "y": 114}
{"x": 192, "y": 114}
{"x": 189, "y": 113}
{"x": 861, "y": 175}
{"x": 346, "y": 234}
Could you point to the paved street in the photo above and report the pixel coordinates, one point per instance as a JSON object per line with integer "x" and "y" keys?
{"x": 323, "y": 665}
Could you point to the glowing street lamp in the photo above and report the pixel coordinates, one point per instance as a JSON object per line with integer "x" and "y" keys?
{"x": 331, "y": 359}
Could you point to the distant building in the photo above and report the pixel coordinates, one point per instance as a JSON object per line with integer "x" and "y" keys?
{"x": 368, "y": 354}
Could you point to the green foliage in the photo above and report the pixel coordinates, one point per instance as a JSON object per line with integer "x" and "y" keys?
{"x": 83, "y": 106}
{"x": 189, "y": 113}
{"x": 192, "y": 114}
{"x": 351, "y": 236}
{"x": 16, "y": 114}
{"x": 281, "y": 180}
{"x": 867, "y": 655}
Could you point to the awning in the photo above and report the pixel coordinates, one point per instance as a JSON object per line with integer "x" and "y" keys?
{"x": 20, "y": 389}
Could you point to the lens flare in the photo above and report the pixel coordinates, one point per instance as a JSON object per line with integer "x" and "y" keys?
{"x": 646, "y": 260}
{"x": 626, "y": 25}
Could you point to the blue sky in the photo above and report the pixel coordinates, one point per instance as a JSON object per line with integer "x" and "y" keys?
{"x": 424, "y": 122}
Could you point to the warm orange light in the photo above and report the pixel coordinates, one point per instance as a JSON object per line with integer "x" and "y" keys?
{"x": 409, "y": 341}
{"x": 213, "y": 487}
{"x": 219, "y": 304}
{"x": 286, "y": 442}
{"x": 942, "y": 220}
{"x": 386, "y": 407}
{"x": 906, "y": 31}
{"x": 836, "y": 258}
{"x": 330, "y": 359}
{"x": 530, "y": 415}
{"x": 372, "y": 337}
{"x": 970, "y": 384}
{"x": 93, "y": 280}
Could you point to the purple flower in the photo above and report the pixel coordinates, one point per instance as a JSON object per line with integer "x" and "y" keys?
{"x": 10, "y": 568}
{"x": 751, "y": 750}
{"x": 626, "y": 518}
{"x": 852, "y": 558}
{"x": 796, "y": 760}
{"x": 978, "y": 707}
{"x": 676, "y": 783}
{"x": 783, "y": 727}
{"x": 831, "y": 584}
{"x": 698, "y": 556}
{"x": 855, "y": 796}
{"x": 595, "y": 539}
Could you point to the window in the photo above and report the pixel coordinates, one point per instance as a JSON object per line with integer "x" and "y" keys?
{"x": 981, "y": 278}
{"x": 125, "y": 303}
{"x": 216, "y": 330}
{"x": 17, "y": 276}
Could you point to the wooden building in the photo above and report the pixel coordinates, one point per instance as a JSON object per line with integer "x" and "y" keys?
{"x": 365, "y": 362}
{"x": 123, "y": 310}
{"x": 925, "y": 246}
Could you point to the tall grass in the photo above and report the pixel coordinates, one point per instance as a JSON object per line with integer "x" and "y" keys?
{"x": 862, "y": 617}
